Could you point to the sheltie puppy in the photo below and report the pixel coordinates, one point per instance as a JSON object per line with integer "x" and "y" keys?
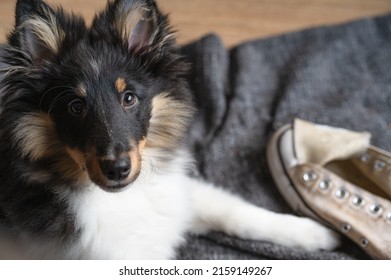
{"x": 93, "y": 162}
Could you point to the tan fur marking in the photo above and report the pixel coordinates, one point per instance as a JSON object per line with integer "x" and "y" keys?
{"x": 81, "y": 90}
{"x": 36, "y": 136}
{"x": 95, "y": 172}
{"x": 78, "y": 157}
{"x": 68, "y": 169}
{"x": 120, "y": 85}
{"x": 135, "y": 159}
{"x": 47, "y": 31}
{"x": 141, "y": 145}
{"x": 169, "y": 121}
{"x": 37, "y": 139}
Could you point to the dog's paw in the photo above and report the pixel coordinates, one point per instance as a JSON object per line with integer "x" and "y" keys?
{"x": 313, "y": 236}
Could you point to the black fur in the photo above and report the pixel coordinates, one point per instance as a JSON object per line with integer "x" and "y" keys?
{"x": 42, "y": 81}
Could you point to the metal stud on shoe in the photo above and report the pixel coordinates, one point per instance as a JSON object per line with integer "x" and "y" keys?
{"x": 341, "y": 193}
{"x": 365, "y": 158}
{"x": 364, "y": 242}
{"x": 379, "y": 165}
{"x": 346, "y": 228}
{"x": 357, "y": 200}
{"x": 309, "y": 176}
{"x": 324, "y": 185}
{"x": 375, "y": 209}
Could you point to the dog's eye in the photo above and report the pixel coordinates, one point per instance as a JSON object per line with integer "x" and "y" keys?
{"x": 76, "y": 107}
{"x": 129, "y": 99}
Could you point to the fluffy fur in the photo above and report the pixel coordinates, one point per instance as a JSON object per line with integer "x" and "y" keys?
{"x": 92, "y": 127}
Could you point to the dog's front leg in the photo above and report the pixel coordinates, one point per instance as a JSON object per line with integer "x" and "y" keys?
{"x": 218, "y": 210}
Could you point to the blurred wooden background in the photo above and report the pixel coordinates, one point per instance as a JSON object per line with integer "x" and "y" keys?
{"x": 234, "y": 20}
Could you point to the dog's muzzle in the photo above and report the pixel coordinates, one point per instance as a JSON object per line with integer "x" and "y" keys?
{"x": 116, "y": 170}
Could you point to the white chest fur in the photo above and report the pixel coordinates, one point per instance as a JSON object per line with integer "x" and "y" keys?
{"x": 146, "y": 221}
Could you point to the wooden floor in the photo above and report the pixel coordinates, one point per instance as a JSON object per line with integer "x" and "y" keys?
{"x": 234, "y": 20}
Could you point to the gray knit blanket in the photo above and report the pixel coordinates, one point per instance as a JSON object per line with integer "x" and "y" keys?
{"x": 338, "y": 75}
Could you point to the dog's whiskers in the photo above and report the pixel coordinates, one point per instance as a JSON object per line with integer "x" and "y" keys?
{"x": 69, "y": 89}
{"x": 57, "y": 99}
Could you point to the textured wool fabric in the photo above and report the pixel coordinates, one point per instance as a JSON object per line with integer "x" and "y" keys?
{"x": 338, "y": 75}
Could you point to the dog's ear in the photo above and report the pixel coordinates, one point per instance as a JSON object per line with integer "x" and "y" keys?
{"x": 139, "y": 24}
{"x": 37, "y": 30}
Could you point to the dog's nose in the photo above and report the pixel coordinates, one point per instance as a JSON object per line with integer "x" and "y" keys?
{"x": 116, "y": 170}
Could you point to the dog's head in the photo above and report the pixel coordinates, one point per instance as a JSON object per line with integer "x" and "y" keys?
{"x": 89, "y": 100}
